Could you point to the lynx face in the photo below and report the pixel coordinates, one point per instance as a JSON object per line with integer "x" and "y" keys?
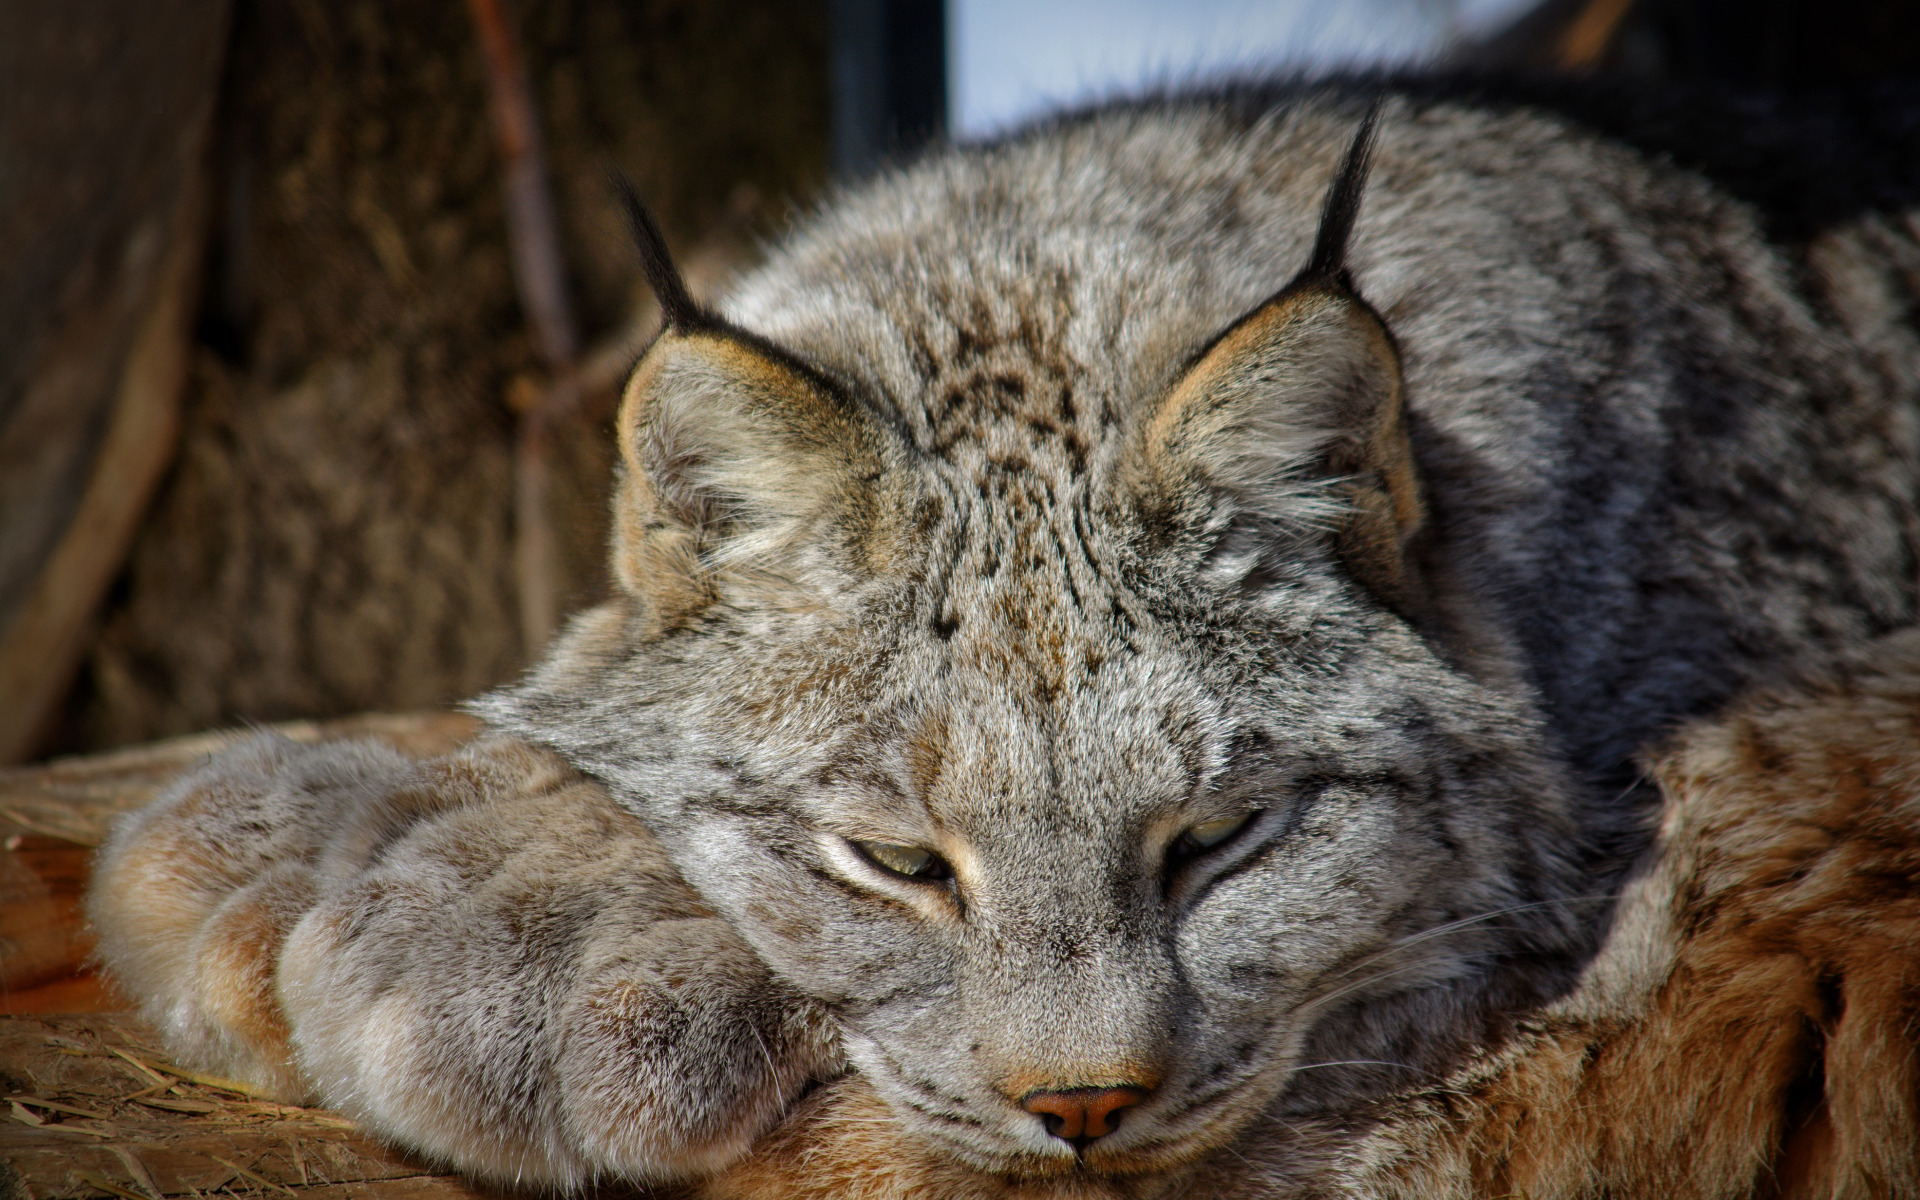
{"x": 1055, "y": 704}
{"x": 1055, "y": 773}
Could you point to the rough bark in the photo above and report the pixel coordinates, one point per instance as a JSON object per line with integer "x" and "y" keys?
{"x": 337, "y": 534}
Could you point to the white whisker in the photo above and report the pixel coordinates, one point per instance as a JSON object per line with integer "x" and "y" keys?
{"x": 1414, "y": 939}
{"x": 1357, "y": 1062}
{"x": 1320, "y": 1003}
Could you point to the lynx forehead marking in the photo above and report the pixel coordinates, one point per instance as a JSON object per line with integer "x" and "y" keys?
{"x": 1009, "y": 434}
{"x": 997, "y": 378}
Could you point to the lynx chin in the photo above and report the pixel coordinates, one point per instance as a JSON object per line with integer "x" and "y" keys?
{"x": 1129, "y": 638}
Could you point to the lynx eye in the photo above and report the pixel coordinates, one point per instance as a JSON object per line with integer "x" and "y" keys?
{"x": 1205, "y": 836}
{"x": 910, "y": 861}
{"x": 1210, "y": 834}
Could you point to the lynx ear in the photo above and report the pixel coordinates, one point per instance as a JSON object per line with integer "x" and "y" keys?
{"x": 742, "y": 464}
{"x": 1294, "y": 413}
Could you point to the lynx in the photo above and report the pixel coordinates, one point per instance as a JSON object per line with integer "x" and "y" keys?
{"x": 1747, "y": 1028}
{"x": 1129, "y": 638}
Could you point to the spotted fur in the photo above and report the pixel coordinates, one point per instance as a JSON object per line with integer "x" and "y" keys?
{"x": 1076, "y": 525}
{"x": 1045, "y": 500}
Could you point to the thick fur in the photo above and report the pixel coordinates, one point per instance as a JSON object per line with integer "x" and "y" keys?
{"x": 1033, "y": 507}
{"x": 481, "y": 957}
{"x": 1051, "y": 520}
{"x": 1748, "y": 1029}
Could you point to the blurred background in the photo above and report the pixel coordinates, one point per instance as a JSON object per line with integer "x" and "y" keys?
{"x": 313, "y": 312}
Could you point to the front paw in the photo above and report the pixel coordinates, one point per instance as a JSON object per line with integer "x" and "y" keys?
{"x": 192, "y": 896}
{"x": 524, "y": 988}
{"x": 680, "y": 1049}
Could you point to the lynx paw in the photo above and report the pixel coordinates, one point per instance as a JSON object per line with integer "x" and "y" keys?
{"x": 679, "y": 1051}
{"x": 192, "y": 896}
{"x": 482, "y": 957}
{"x": 527, "y": 990}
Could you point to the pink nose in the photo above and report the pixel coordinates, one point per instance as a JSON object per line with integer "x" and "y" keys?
{"x": 1082, "y": 1114}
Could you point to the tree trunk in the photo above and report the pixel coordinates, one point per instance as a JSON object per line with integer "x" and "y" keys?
{"x": 337, "y": 532}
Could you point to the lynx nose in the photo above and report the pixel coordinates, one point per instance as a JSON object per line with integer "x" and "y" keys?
{"x": 1080, "y": 1115}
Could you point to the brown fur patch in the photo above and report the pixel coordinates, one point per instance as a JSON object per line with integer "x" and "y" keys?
{"x": 1142, "y": 1074}
{"x": 1773, "y": 1047}
{"x": 236, "y": 969}
{"x": 842, "y": 1144}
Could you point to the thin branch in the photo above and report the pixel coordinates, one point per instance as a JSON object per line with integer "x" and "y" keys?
{"x": 44, "y": 646}
{"x": 533, "y": 234}
{"x": 533, "y": 240}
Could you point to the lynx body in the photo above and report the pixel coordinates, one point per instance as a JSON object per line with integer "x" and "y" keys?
{"x": 1119, "y": 635}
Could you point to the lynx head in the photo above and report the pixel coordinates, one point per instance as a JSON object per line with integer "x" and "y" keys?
{"x": 1057, "y": 694}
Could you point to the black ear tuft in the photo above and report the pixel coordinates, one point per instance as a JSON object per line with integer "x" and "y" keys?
{"x": 1329, "y": 259}
{"x": 683, "y": 314}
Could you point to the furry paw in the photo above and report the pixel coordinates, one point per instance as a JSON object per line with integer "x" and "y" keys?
{"x": 636, "y": 1098}
{"x": 482, "y": 957}
{"x": 193, "y": 895}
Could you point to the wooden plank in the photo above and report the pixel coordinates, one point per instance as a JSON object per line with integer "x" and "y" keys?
{"x": 47, "y": 634}
{"x": 43, "y": 938}
{"x": 80, "y": 990}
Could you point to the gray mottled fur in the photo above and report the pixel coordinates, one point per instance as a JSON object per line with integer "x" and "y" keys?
{"x": 955, "y": 596}
{"x": 481, "y": 957}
